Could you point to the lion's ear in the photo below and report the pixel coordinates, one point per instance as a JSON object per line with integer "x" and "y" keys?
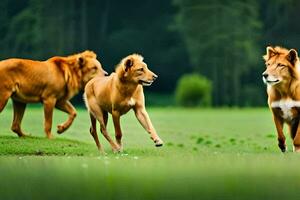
{"x": 63, "y": 65}
{"x": 292, "y": 56}
{"x": 270, "y": 52}
{"x": 90, "y": 54}
{"x": 81, "y": 62}
{"x": 128, "y": 64}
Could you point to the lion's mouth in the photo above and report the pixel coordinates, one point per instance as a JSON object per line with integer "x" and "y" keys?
{"x": 271, "y": 81}
{"x": 145, "y": 83}
{"x": 276, "y": 81}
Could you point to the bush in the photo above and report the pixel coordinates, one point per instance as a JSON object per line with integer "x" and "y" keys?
{"x": 193, "y": 90}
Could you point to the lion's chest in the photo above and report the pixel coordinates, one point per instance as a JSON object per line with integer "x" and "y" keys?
{"x": 124, "y": 106}
{"x": 289, "y": 108}
{"x": 131, "y": 102}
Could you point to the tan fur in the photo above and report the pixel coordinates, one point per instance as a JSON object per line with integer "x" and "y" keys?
{"x": 53, "y": 82}
{"x": 117, "y": 94}
{"x": 282, "y": 78}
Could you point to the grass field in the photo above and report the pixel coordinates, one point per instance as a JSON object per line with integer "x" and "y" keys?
{"x": 208, "y": 154}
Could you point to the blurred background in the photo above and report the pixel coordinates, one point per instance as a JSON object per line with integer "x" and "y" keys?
{"x": 206, "y": 52}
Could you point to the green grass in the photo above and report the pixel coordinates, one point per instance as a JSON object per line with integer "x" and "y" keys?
{"x": 40, "y": 146}
{"x": 208, "y": 154}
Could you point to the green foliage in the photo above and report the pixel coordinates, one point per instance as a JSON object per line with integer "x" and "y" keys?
{"x": 222, "y": 40}
{"x": 24, "y": 32}
{"x": 193, "y": 90}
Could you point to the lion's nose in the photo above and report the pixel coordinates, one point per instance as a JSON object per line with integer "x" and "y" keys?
{"x": 155, "y": 76}
{"x": 265, "y": 75}
{"x": 105, "y": 73}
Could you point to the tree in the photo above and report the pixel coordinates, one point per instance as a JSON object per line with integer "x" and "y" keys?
{"x": 221, "y": 38}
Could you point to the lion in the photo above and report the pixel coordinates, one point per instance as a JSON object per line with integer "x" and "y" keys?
{"x": 52, "y": 82}
{"x": 117, "y": 94}
{"x": 283, "y": 87}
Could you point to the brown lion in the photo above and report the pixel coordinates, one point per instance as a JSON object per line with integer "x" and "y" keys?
{"x": 117, "y": 94}
{"x": 283, "y": 87}
{"x": 52, "y": 82}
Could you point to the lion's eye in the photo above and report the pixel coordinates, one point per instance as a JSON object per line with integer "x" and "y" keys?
{"x": 281, "y": 65}
{"x": 141, "y": 69}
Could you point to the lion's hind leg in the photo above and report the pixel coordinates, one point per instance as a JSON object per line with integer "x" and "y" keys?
{"x": 19, "y": 109}
{"x": 4, "y": 96}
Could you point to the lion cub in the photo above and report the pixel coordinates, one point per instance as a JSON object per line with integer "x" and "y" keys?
{"x": 117, "y": 94}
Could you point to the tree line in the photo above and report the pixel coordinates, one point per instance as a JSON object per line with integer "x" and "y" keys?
{"x": 223, "y": 40}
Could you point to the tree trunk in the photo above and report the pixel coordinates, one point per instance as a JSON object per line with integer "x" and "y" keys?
{"x": 104, "y": 21}
{"x": 84, "y": 30}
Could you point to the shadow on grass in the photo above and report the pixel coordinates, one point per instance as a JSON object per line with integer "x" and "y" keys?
{"x": 31, "y": 145}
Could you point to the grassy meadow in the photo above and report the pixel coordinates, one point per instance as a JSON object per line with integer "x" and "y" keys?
{"x": 208, "y": 154}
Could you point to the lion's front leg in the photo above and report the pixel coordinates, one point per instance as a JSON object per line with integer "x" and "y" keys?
{"x": 48, "y": 112}
{"x": 143, "y": 117}
{"x": 280, "y": 135}
{"x": 66, "y": 107}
